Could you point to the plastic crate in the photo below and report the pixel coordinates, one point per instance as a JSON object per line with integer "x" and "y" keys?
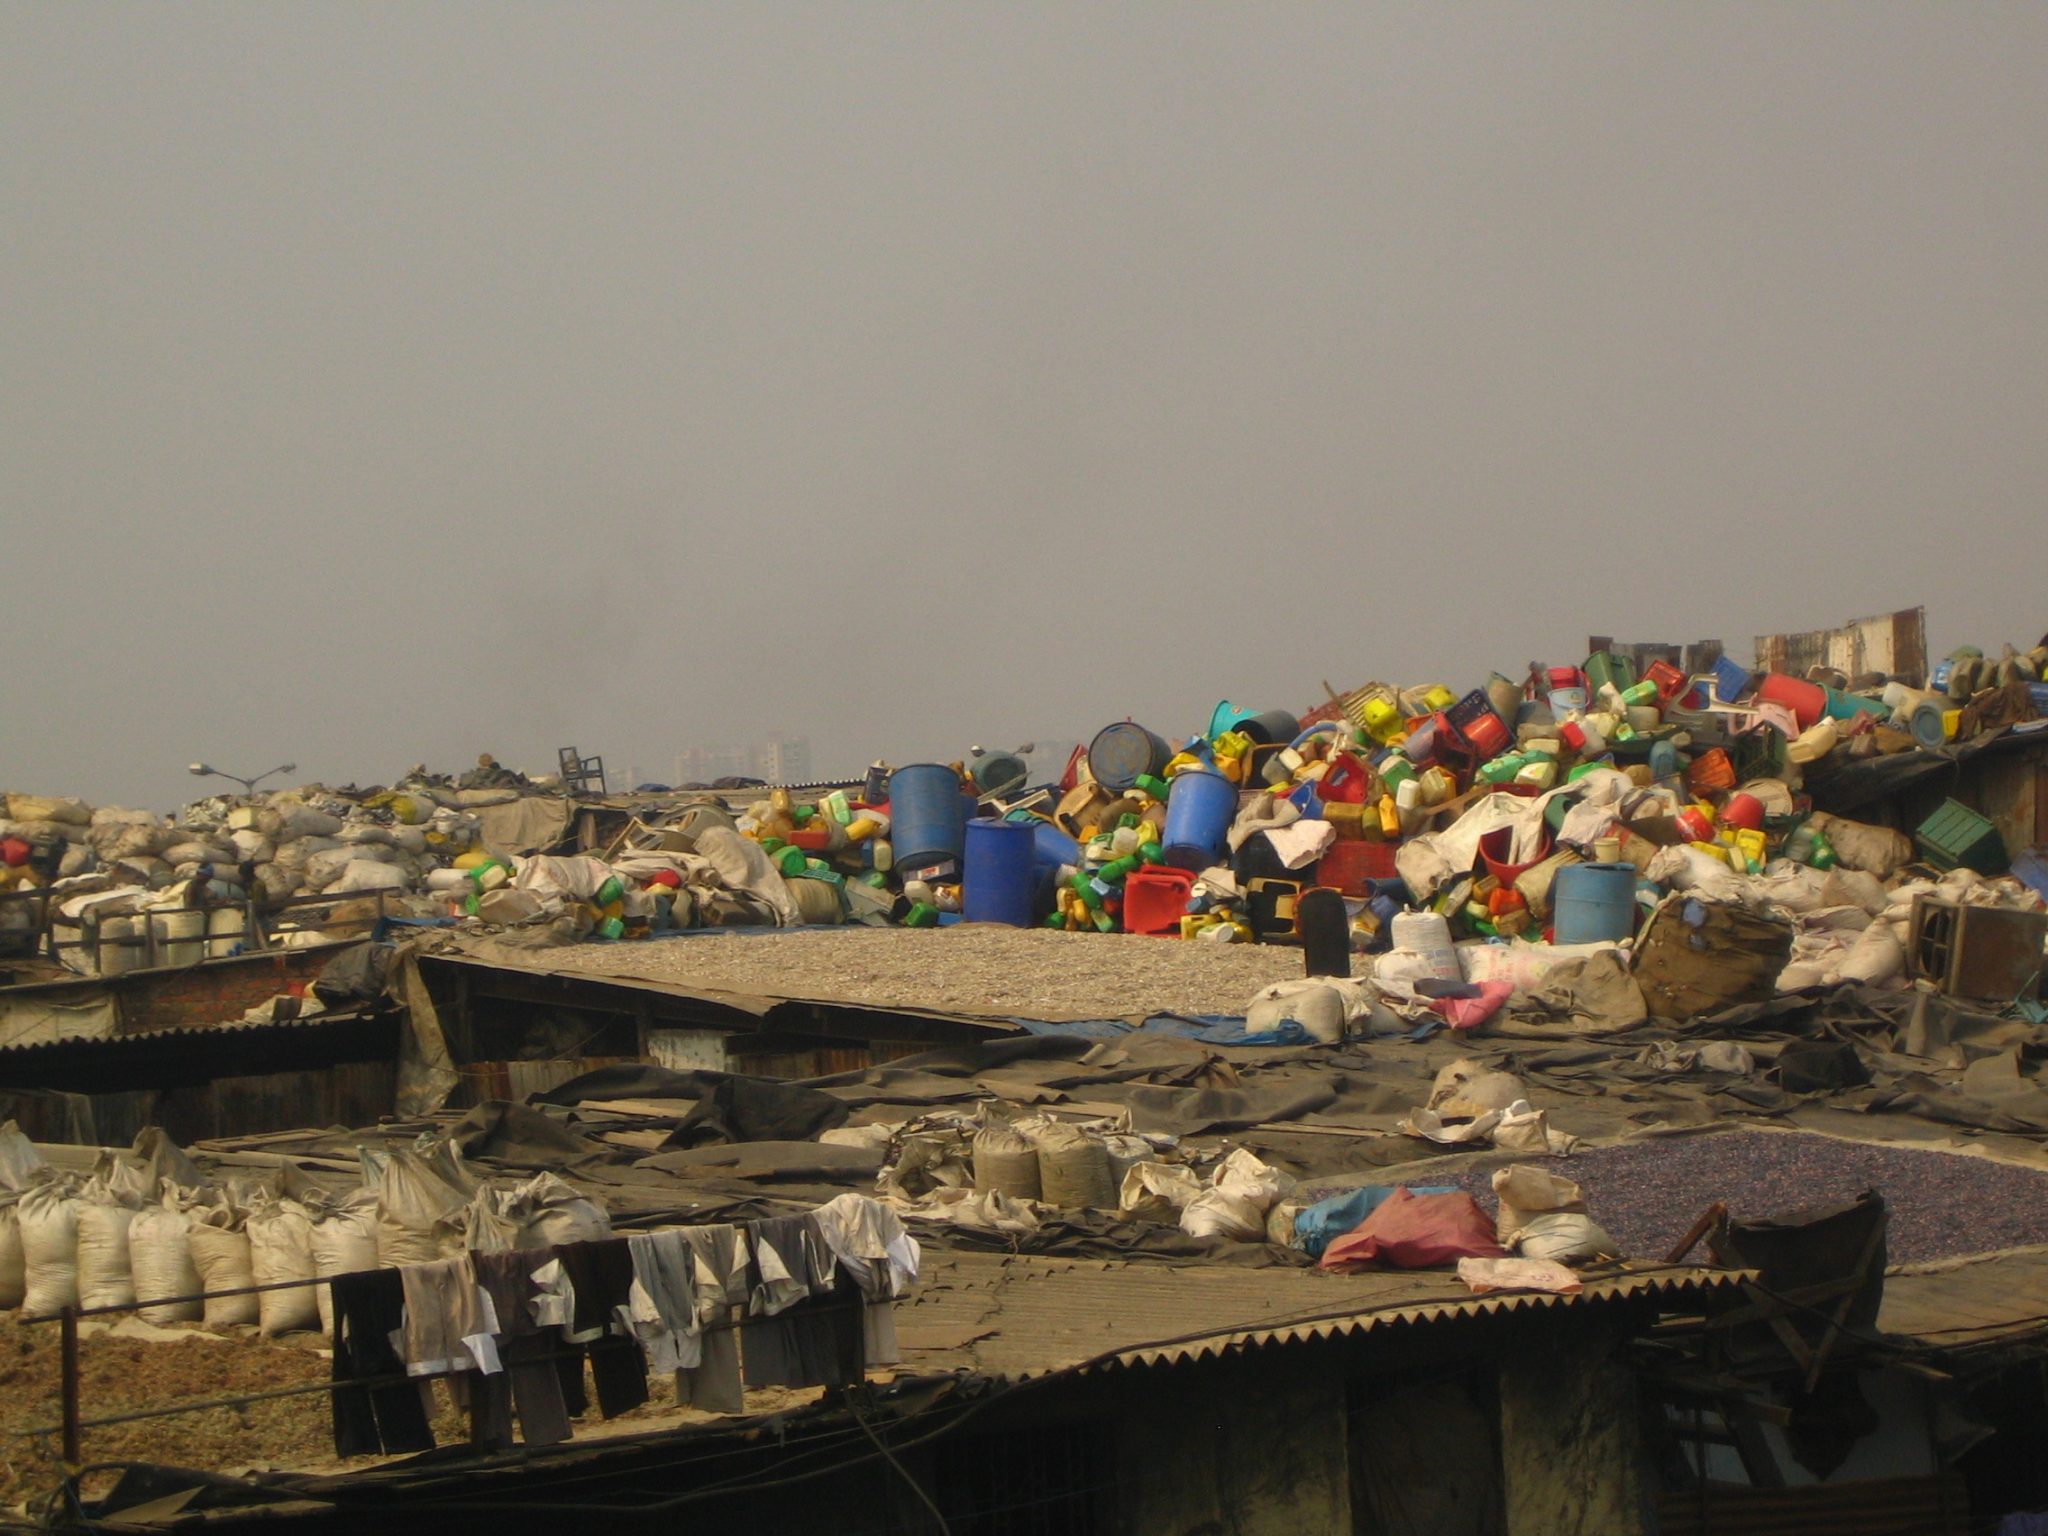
{"x": 1710, "y": 771}
{"x": 1732, "y": 680}
{"x": 1351, "y": 867}
{"x": 1757, "y": 754}
{"x": 1474, "y": 719}
{"x": 1957, "y": 837}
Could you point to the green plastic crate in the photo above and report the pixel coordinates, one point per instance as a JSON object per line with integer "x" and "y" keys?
{"x": 1956, "y": 836}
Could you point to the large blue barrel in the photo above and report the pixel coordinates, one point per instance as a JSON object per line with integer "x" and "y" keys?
{"x": 1120, "y": 752}
{"x": 1051, "y": 851}
{"x": 1593, "y": 902}
{"x": 1000, "y": 881}
{"x": 1269, "y": 726}
{"x": 1199, "y": 811}
{"x": 1050, "y": 847}
{"x": 927, "y": 815}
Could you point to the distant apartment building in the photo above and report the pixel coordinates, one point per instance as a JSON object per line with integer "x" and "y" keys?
{"x": 778, "y": 760}
{"x": 785, "y": 760}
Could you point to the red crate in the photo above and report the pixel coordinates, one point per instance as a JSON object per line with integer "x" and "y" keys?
{"x": 1351, "y": 866}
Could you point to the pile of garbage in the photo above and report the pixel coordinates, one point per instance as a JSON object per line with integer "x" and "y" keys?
{"x": 1551, "y": 815}
{"x": 134, "y": 884}
{"x": 148, "y": 1223}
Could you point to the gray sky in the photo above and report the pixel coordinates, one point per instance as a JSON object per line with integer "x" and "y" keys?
{"x": 388, "y": 383}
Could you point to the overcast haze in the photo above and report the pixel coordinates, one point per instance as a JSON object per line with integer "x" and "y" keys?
{"x": 387, "y": 384}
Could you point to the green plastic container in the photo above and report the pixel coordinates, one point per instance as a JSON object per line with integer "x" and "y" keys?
{"x": 1609, "y": 667}
{"x": 1957, "y": 837}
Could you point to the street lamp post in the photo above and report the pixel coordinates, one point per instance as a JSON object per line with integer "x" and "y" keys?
{"x": 206, "y": 770}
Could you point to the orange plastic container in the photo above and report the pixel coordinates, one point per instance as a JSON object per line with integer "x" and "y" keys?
{"x": 1712, "y": 770}
{"x": 1156, "y": 898}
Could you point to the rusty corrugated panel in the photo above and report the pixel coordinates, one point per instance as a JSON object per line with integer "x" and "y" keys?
{"x": 1018, "y": 1316}
{"x": 1892, "y": 1506}
{"x": 1892, "y": 643}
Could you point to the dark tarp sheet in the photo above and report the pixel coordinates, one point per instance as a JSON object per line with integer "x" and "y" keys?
{"x": 724, "y": 1106}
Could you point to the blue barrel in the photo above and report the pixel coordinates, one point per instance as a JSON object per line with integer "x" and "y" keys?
{"x": 1593, "y": 902}
{"x": 1050, "y": 847}
{"x": 1000, "y": 882}
{"x": 1051, "y": 851}
{"x": 927, "y": 815}
{"x": 1269, "y": 726}
{"x": 1199, "y": 811}
{"x": 1120, "y": 752}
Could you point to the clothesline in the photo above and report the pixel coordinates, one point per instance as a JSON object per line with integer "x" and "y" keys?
{"x": 800, "y": 1301}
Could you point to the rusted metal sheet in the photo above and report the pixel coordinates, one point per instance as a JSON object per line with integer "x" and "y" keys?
{"x": 1892, "y": 643}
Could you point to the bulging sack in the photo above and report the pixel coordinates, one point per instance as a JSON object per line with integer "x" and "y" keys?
{"x": 1073, "y": 1169}
{"x": 280, "y": 1250}
{"x": 344, "y": 1242}
{"x": 222, "y": 1257}
{"x": 1218, "y": 1213}
{"x": 160, "y": 1255}
{"x": 13, "y": 1270}
{"x": 105, "y": 1278}
{"x": 1158, "y": 1192}
{"x": 1005, "y": 1161}
{"x": 48, "y": 1214}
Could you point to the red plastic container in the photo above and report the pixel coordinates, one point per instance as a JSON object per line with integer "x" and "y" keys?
{"x": 1807, "y": 701}
{"x": 1156, "y": 899}
{"x": 1346, "y": 782}
{"x": 1493, "y": 849}
{"x": 1351, "y": 866}
{"x": 1669, "y": 680}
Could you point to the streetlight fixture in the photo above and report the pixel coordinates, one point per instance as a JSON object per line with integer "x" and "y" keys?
{"x": 206, "y": 770}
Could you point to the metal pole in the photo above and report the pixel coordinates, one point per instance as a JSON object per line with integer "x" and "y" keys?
{"x": 69, "y": 1350}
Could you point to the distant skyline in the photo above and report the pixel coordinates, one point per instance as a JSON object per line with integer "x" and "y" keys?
{"x": 392, "y": 384}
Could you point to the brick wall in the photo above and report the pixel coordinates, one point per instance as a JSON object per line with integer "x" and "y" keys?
{"x": 215, "y": 993}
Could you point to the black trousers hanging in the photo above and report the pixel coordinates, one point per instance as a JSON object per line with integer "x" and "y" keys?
{"x": 602, "y": 1274}
{"x": 368, "y": 1308}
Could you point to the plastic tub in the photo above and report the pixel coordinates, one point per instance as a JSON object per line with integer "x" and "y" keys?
{"x": 927, "y": 815}
{"x": 1000, "y": 881}
{"x": 1120, "y": 752}
{"x": 1199, "y": 812}
{"x": 1591, "y": 903}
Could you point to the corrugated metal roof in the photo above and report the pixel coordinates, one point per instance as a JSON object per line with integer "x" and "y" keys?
{"x": 1984, "y": 1299}
{"x": 195, "y": 1032}
{"x": 1016, "y": 1316}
